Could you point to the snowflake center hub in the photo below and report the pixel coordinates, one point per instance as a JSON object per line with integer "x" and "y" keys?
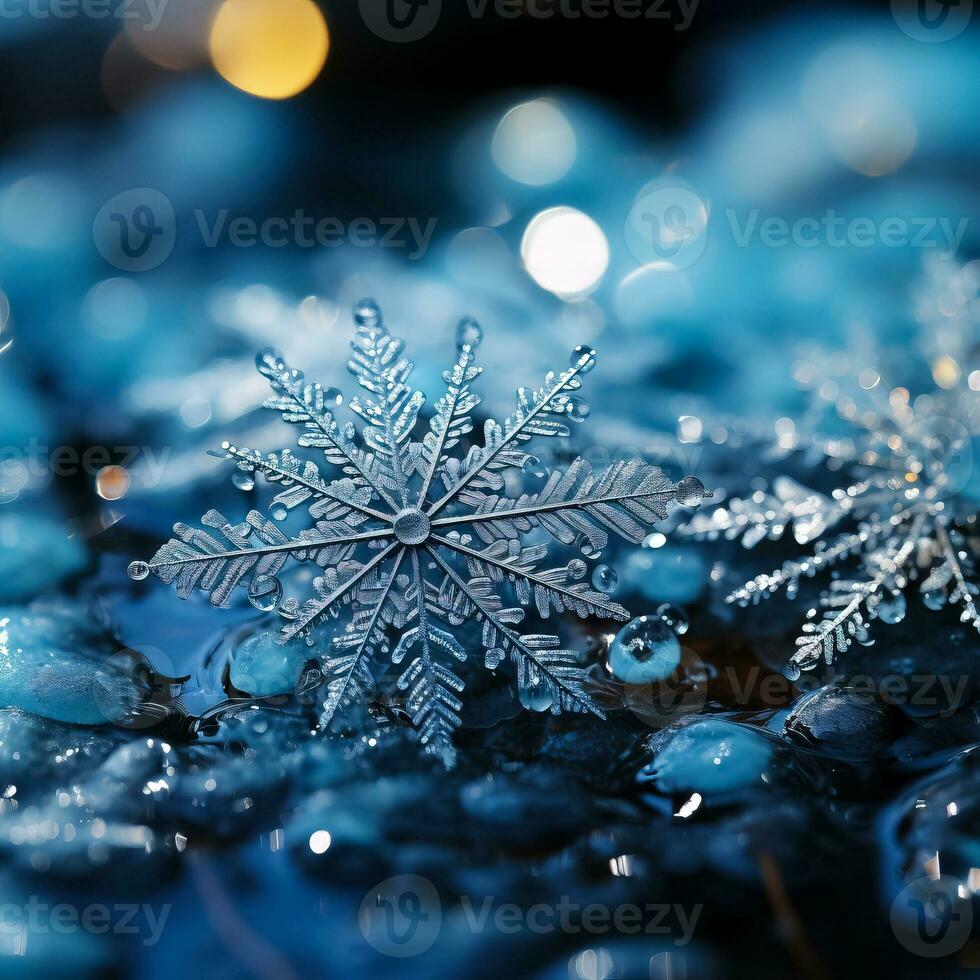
{"x": 412, "y": 526}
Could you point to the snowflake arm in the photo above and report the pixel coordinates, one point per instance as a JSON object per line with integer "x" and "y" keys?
{"x": 549, "y": 589}
{"x": 952, "y": 569}
{"x": 306, "y": 404}
{"x": 451, "y": 420}
{"x": 521, "y": 426}
{"x": 391, "y": 408}
{"x": 195, "y": 559}
{"x": 314, "y": 610}
{"x": 625, "y": 499}
{"x": 350, "y": 673}
{"x": 844, "y": 619}
{"x": 539, "y": 660}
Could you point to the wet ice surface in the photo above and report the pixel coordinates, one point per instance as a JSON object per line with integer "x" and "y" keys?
{"x": 246, "y": 843}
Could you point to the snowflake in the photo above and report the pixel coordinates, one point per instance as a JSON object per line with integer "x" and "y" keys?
{"x": 910, "y": 502}
{"x": 387, "y": 531}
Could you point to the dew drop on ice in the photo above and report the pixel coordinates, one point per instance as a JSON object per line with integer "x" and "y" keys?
{"x": 935, "y": 600}
{"x": 469, "y": 333}
{"x": 243, "y": 480}
{"x": 675, "y": 617}
{"x": 605, "y": 579}
{"x": 644, "y": 650}
{"x": 578, "y": 409}
{"x": 367, "y": 313}
{"x": 892, "y": 608}
{"x": 690, "y": 492}
{"x": 264, "y": 592}
{"x": 536, "y": 697}
{"x": 138, "y": 570}
{"x": 279, "y": 513}
{"x": 585, "y": 356}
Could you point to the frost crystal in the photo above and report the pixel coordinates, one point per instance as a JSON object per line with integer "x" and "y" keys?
{"x": 415, "y": 541}
{"x": 909, "y": 511}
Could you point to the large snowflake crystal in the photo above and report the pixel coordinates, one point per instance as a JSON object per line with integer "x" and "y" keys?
{"x": 415, "y": 541}
{"x": 907, "y": 513}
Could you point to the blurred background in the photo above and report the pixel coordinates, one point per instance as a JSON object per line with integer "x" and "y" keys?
{"x": 706, "y": 191}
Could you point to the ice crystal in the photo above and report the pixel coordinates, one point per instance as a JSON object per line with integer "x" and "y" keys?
{"x": 415, "y": 541}
{"x": 906, "y": 514}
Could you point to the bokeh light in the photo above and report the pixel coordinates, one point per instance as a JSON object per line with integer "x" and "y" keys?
{"x": 534, "y": 143}
{"x": 270, "y": 48}
{"x": 565, "y": 251}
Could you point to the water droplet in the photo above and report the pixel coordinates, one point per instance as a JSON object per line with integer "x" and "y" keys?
{"x": 892, "y": 609}
{"x": 577, "y": 568}
{"x": 589, "y": 549}
{"x": 578, "y": 409}
{"x": 333, "y": 397}
{"x": 469, "y": 333}
{"x": 278, "y": 512}
{"x": 367, "y": 313}
{"x": 675, "y": 617}
{"x": 536, "y": 475}
{"x": 138, "y": 570}
{"x": 690, "y": 492}
{"x": 583, "y": 357}
{"x": 863, "y": 636}
{"x": 269, "y": 362}
{"x": 934, "y": 600}
{"x": 536, "y": 697}
{"x": 289, "y": 609}
{"x": 264, "y": 592}
{"x": 605, "y": 579}
{"x": 791, "y": 671}
{"x": 243, "y": 480}
{"x": 644, "y": 650}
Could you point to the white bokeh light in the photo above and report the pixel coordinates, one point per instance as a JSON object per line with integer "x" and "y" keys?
{"x": 565, "y": 251}
{"x": 534, "y": 143}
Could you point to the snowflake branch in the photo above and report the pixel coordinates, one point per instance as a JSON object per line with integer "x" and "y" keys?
{"x": 266, "y": 466}
{"x": 350, "y": 669}
{"x": 563, "y": 381}
{"x": 612, "y": 610}
{"x": 515, "y": 642}
{"x": 272, "y": 549}
{"x": 954, "y": 563}
{"x": 304, "y": 403}
{"x": 314, "y": 609}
